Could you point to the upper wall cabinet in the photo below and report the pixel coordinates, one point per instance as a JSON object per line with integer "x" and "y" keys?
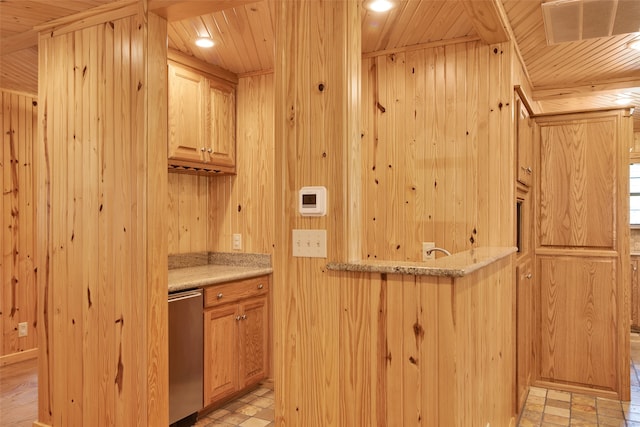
{"x": 525, "y": 135}
{"x": 202, "y": 117}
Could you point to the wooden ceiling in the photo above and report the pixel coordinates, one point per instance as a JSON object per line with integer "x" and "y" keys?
{"x": 569, "y": 76}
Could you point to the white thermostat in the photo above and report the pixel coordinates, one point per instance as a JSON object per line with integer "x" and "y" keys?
{"x": 313, "y": 201}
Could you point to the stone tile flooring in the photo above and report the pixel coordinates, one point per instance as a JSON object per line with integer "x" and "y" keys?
{"x": 543, "y": 408}
{"x": 555, "y": 408}
{"x": 255, "y": 409}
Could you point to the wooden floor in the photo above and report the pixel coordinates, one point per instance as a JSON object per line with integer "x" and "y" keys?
{"x": 19, "y": 394}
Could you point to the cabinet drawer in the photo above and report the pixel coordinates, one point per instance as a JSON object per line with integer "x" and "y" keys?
{"x": 233, "y": 291}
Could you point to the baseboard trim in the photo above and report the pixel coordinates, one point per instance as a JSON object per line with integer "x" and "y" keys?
{"x": 20, "y": 356}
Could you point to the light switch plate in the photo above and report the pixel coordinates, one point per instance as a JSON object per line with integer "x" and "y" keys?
{"x": 309, "y": 243}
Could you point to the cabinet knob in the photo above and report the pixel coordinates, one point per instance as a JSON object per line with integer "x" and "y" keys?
{"x": 260, "y": 286}
{"x": 220, "y": 295}
{"x": 527, "y": 169}
{"x": 244, "y": 317}
{"x": 202, "y": 149}
{"x": 237, "y": 317}
{"x": 529, "y": 276}
{"x": 210, "y": 150}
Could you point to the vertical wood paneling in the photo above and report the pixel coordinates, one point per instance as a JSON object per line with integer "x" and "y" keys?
{"x": 314, "y": 130}
{"x": 436, "y": 144}
{"x": 188, "y": 213}
{"x": 102, "y": 253}
{"x": 243, "y": 203}
{"x": 18, "y": 114}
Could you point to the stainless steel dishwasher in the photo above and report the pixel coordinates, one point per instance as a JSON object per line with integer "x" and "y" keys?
{"x": 185, "y": 357}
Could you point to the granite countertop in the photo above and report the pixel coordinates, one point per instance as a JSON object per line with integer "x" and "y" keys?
{"x": 220, "y": 268}
{"x": 457, "y": 265}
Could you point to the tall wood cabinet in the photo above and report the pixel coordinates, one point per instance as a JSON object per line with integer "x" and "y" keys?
{"x": 236, "y": 338}
{"x": 202, "y": 121}
{"x": 635, "y": 293}
{"x": 582, "y": 252}
{"x": 526, "y": 285}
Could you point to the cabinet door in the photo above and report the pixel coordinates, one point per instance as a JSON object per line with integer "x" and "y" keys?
{"x": 186, "y": 114}
{"x": 254, "y": 332}
{"x": 221, "y": 124}
{"x": 579, "y": 183}
{"x": 524, "y": 143}
{"x": 220, "y": 352}
{"x": 578, "y": 321}
{"x": 525, "y": 329}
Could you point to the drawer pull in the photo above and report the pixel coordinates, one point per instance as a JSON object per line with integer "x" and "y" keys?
{"x": 220, "y": 295}
{"x": 260, "y": 286}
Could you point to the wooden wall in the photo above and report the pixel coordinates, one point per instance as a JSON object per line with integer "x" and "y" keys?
{"x": 102, "y": 233}
{"x": 423, "y": 351}
{"x": 18, "y": 121}
{"x": 188, "y": 213}
{"x": 244, "y": 203}
{"x": 204, "y": 212}
{"x": 437, "y": 151}
{"x": 330, "y": 328}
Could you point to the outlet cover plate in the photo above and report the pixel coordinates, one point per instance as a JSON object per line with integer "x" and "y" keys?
{"x": 425, "y": 247}
{"x": 309, "y": 243}
{"x": 237, "y": 242}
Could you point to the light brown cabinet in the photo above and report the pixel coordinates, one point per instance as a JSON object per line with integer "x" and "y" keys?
{"x": 236, "y": 337}
{"x": 524, "y": 143}
{"x": 582, "y": 252}
{"x": 201, "y": 121}
{"x": 525, "y": 329}
{"x": 579, "y": 322}
{"x": 635, "y": 294}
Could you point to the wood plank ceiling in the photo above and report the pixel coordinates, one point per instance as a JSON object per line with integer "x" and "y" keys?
{"x": 569, "y": 76}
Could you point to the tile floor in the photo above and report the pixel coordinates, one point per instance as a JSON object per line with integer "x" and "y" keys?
{"x": 543, "y": 408}
{"x": 255, "y": 409}
{"x": 555, "y": 408}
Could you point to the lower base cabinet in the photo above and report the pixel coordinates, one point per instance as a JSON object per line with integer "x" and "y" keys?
{"x": 236, "y": 338}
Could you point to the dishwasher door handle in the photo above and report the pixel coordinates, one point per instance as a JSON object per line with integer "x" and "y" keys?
{"x": 184, "y": 295}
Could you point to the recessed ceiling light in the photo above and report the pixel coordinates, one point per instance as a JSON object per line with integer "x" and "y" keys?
{"x": 204, "y": 42}
{"x": 379, "y": 5}
{"x": 634, "y": 44}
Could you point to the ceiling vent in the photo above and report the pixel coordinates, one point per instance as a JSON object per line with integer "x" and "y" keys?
{"x": 571, "y": 20}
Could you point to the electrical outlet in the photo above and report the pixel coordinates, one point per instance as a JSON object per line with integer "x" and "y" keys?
{"x": 309, "y": 243}
{"x": 425, "y": 247}
{"x": 237, "y": 242}
{"x": 23, "y": 329}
